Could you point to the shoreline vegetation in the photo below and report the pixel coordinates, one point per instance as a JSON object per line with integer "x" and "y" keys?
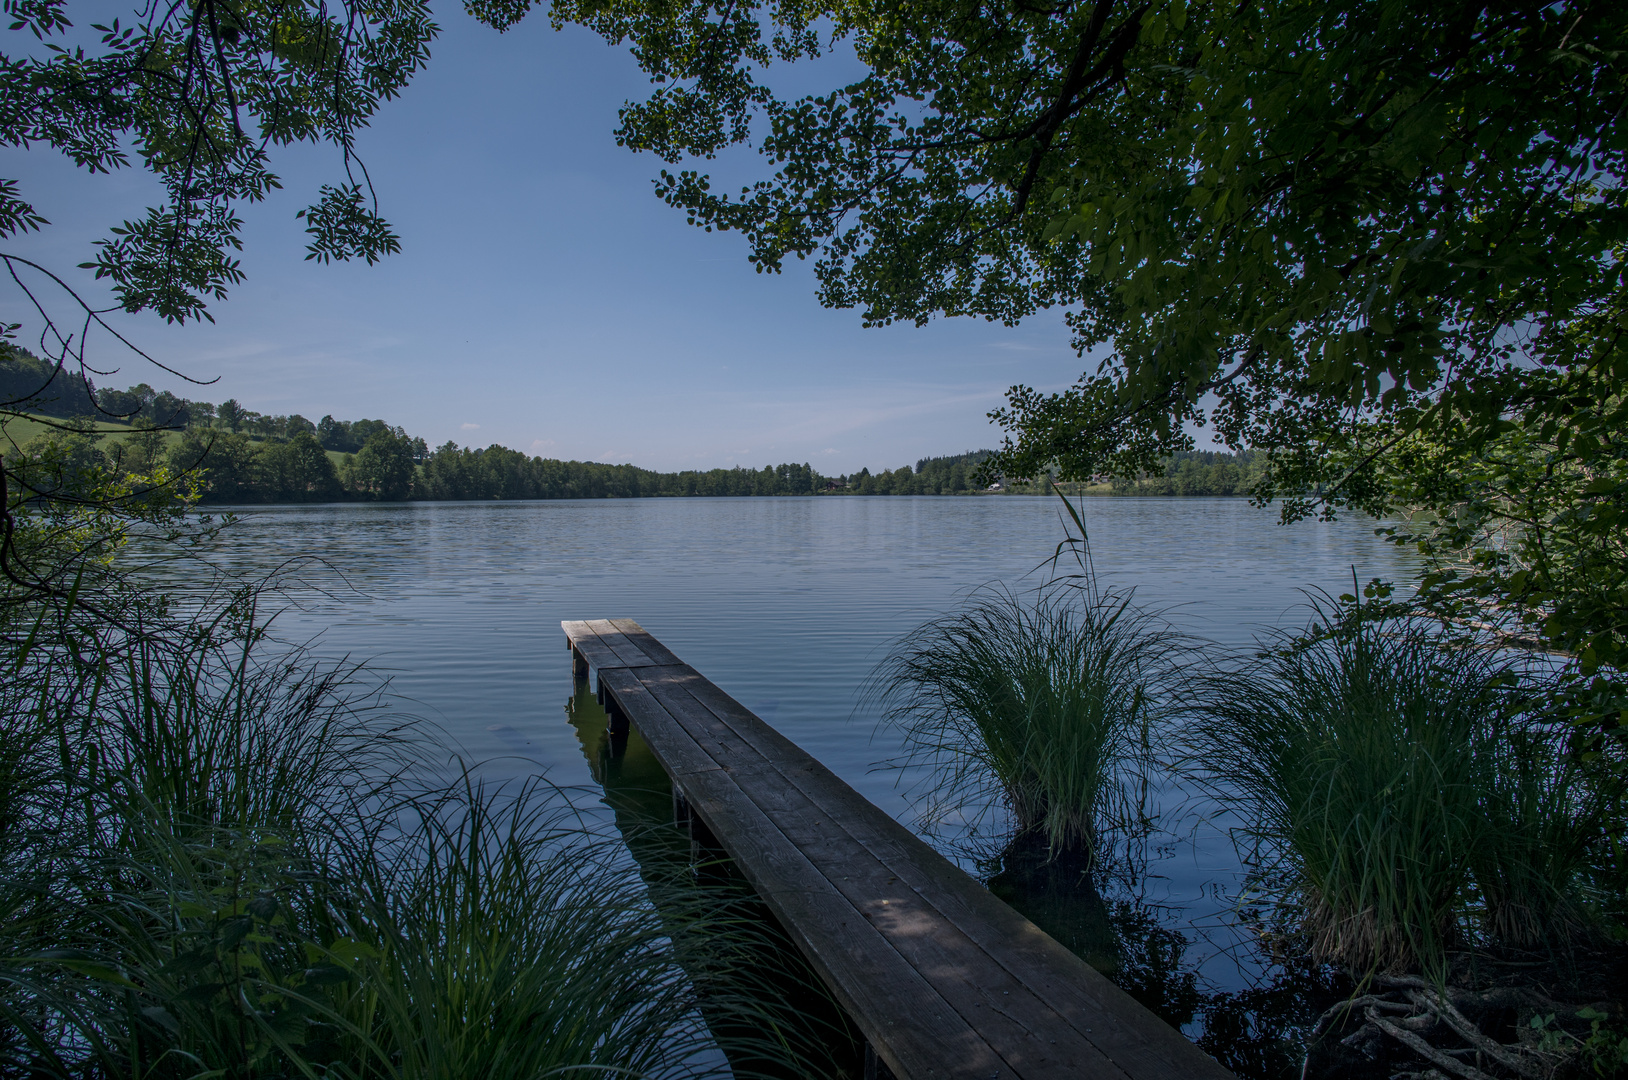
{"x": 220, "y": 858}
{"x": 1434, "y": 874}
{"x": 1380, "y": 245}
{"x": 223, "y": 854}
{"x": 240, "y": 456}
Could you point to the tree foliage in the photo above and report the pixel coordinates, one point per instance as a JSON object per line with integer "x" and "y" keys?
{"x": 200, "y": 95}
{"x": 1382, "y": 242}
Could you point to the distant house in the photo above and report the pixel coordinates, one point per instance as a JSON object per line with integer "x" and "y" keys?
{"x": 832, "y": 485}
{"x": 996, "y": 486}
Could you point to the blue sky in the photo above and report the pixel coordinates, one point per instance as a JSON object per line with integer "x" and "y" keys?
{"x": 545, "y": 299}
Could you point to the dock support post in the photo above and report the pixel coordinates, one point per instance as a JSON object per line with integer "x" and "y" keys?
{"x": 875, "y": 1067}
{"x": 615, "y": 717}
{"x": 706, "y": 853}
{"x": 579, "y": 664}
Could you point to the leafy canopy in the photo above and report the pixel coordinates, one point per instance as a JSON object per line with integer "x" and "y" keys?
{"x": 200, "y": 94}
{"x": 1382, "y": 241}
{"x": 1316, "y": 214}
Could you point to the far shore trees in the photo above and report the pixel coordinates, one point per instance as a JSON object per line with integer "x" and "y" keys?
{"x": 203, "y": 97}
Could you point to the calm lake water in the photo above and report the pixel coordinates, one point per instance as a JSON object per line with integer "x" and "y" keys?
{"x": 787, "y": 603}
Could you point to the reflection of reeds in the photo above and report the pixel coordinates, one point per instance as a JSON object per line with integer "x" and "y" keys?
{"x": 769, "y": 1010}
{"x": 1049, "y": 703}
{"x": 218, "y": 863}
{"x": 1392, "y": 779}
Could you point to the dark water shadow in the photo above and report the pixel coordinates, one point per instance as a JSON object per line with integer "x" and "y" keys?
{"x": 1260, "y": 1032}
{"x": 770, "y": 1013}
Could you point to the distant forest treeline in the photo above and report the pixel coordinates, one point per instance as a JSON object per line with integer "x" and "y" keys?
{"x": 243, "y": 456}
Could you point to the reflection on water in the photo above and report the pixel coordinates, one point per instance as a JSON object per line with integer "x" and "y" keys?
{"x": 685, "y": 872}
{"x": 1259, "y": 1031}
{"x": 1057, "y": 895}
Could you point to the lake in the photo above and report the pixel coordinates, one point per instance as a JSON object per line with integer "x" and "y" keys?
{"x": 786, "y": 603}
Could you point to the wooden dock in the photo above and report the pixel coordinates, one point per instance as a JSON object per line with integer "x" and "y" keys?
{"x": 944, "y": 979}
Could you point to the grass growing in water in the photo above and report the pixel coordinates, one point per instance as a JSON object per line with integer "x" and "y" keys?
{"x": 503, "y": 945}
{"x": 1048, "y": 703}
{"x": 215, "y": 862}
{"x": 1397, "y": 786}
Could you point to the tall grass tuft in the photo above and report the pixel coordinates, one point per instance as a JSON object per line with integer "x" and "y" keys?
{"x": 505, "y": 944}
{"x": 1395, "y": 784}
{"x": 1545, "y": 815}
{"x": 1048, "y": 703}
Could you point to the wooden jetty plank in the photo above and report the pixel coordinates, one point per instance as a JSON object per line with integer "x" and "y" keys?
{"x": 897, "y": 931}
{"x": 1124, "y": 1030}
{"x": 627, "y": 651}
{"x": 673, "y": 746}
{"x": 586, "y": 644}
{"x": 647, "y": 644}
{"x": 1020, "y": 1025}
{"x": 901, "y": 1012}
{"x": 903, "y": 1016}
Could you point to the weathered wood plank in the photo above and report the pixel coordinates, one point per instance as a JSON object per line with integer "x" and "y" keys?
{"x": 587, "y": 644}
{"x": 1121, "y": 1027}
{"x": 606, "y": 646}
{"x": 668, "y": 740}
{"x": 871, "y": 982}
{"x": 619, "y": 643}
{"x": 905, "y": 1018}
{"x": 647, "y": 644}
{"x": 1018, "y": 1024}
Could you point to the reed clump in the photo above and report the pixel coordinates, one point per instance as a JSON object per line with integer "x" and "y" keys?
{"x": 218, "y": 859}
{"x": 1403, "y": 789}
{"x": 1047, "y": 703}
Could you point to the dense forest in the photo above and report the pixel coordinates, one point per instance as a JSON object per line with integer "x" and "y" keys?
{"x": 242, "y": 456}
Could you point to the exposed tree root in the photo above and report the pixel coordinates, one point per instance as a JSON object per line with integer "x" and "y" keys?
{"x": 1406, "y": 1018}
{"x": 1419, "y": 1046}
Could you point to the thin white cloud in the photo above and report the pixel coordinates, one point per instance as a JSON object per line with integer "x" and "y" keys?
{"x": 470, "y": 427}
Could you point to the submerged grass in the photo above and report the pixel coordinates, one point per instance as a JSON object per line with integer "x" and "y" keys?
{"x": 220, "y": 862}
{"x": 1400, "y": 786}
{"x": 1049, "y": 703}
